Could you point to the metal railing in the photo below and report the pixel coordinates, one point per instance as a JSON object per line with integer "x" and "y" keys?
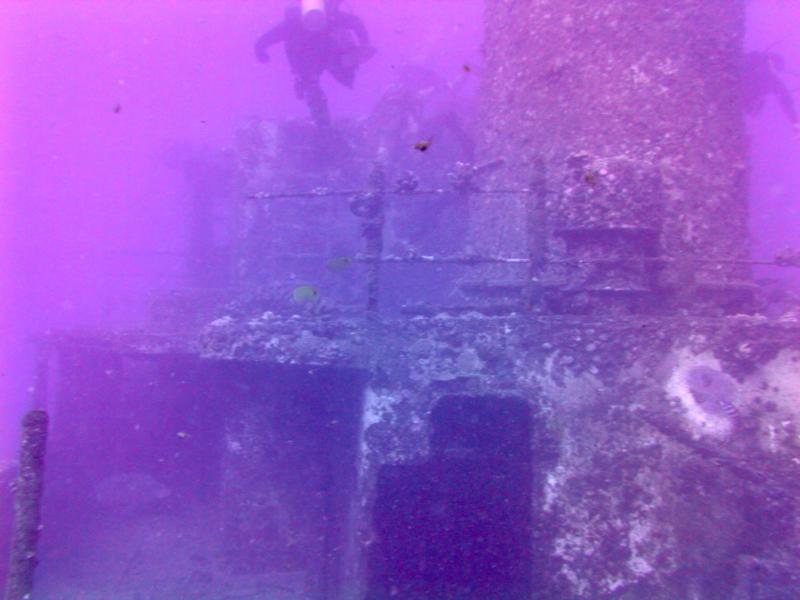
{"x": 368, "y": 205}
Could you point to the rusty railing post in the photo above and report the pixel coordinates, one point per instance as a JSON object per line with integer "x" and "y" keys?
{"x": 28, "y": 492}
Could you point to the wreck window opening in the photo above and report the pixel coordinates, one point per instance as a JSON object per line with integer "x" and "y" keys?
{"x": 459, "y": 526}
{"x": 290, "y": 470}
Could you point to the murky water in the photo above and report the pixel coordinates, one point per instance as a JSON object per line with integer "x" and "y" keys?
{"x": 360, "y": 300}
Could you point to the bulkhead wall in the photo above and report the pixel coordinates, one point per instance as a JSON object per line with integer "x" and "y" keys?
{"x": 660, "y": 454}
{"x": 654, "y": 82}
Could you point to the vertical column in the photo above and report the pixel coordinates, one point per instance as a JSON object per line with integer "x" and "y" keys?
{"x": 27, "y": 506}
{"x": 648, "y": 81}
{"x": 536, "y": 219}
{"x": 369, "y": 207}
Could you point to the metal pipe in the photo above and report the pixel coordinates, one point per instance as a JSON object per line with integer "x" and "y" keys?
{"x": 27, "y": 506}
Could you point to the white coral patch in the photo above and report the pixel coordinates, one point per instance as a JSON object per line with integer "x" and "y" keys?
{"x": 781, "y": 378}
{"x": 701, "y": 422}
{"x": 376, "y": 406}
{"x": 221, "y": 322}
{"x": 777, "y": 384}
{"x": 638, "y": 536}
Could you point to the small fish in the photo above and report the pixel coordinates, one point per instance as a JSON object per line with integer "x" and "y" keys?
{"x": 714, "y": 391}
{"x": 183, "y": 435}
{"x": 423, "y": 145}
{"x": 467, "y": 68}
{"x": 117, "y": 108}
{"x": 339, "y": 264}
{"x": 305, "y": 294}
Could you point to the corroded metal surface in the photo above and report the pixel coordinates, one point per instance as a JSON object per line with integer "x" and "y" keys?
{"x": 651, "y": 82}
{"x": 27, "y": 506}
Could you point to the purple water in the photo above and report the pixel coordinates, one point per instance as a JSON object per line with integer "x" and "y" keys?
{"x": 186, "y": 465}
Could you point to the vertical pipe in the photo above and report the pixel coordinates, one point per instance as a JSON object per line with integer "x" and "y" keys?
{"x": 373, "y": 233}
{"x": 536, "y": 232}
{"x": 27, "y": 503}
{"x": 369, "y": 207}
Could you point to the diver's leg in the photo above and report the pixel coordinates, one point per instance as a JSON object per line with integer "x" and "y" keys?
{"x": 317, "y": 103}
{"x": 343, "y": 74}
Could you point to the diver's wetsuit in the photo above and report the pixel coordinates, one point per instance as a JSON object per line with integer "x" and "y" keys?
{"x": 311, "y": 53}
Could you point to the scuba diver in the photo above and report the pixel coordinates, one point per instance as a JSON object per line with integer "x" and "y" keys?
{"x": 761, "y": 80}
{"x": 318, "y": 37}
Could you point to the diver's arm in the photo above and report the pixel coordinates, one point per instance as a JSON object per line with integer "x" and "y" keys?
{"x": 356, "y": 25}
{"x": 270, "y": 38}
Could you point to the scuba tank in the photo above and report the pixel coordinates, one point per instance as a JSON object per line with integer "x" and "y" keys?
{"x": 314, "y": 16}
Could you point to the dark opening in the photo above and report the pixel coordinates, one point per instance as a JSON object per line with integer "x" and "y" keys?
{"x": 288, "y": 509}
{"x": 460, "y": 525}
{"x": 174, "y": 477}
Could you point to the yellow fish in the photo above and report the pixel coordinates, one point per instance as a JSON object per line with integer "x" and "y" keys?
{"x": 305, "y": 294}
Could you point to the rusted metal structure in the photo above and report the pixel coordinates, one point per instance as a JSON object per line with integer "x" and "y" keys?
{"x": 521, "y": 403}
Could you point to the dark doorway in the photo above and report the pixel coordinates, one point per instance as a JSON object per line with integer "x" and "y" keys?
{"x": 459, "y": 527}
{"x": 286, "y": 501}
